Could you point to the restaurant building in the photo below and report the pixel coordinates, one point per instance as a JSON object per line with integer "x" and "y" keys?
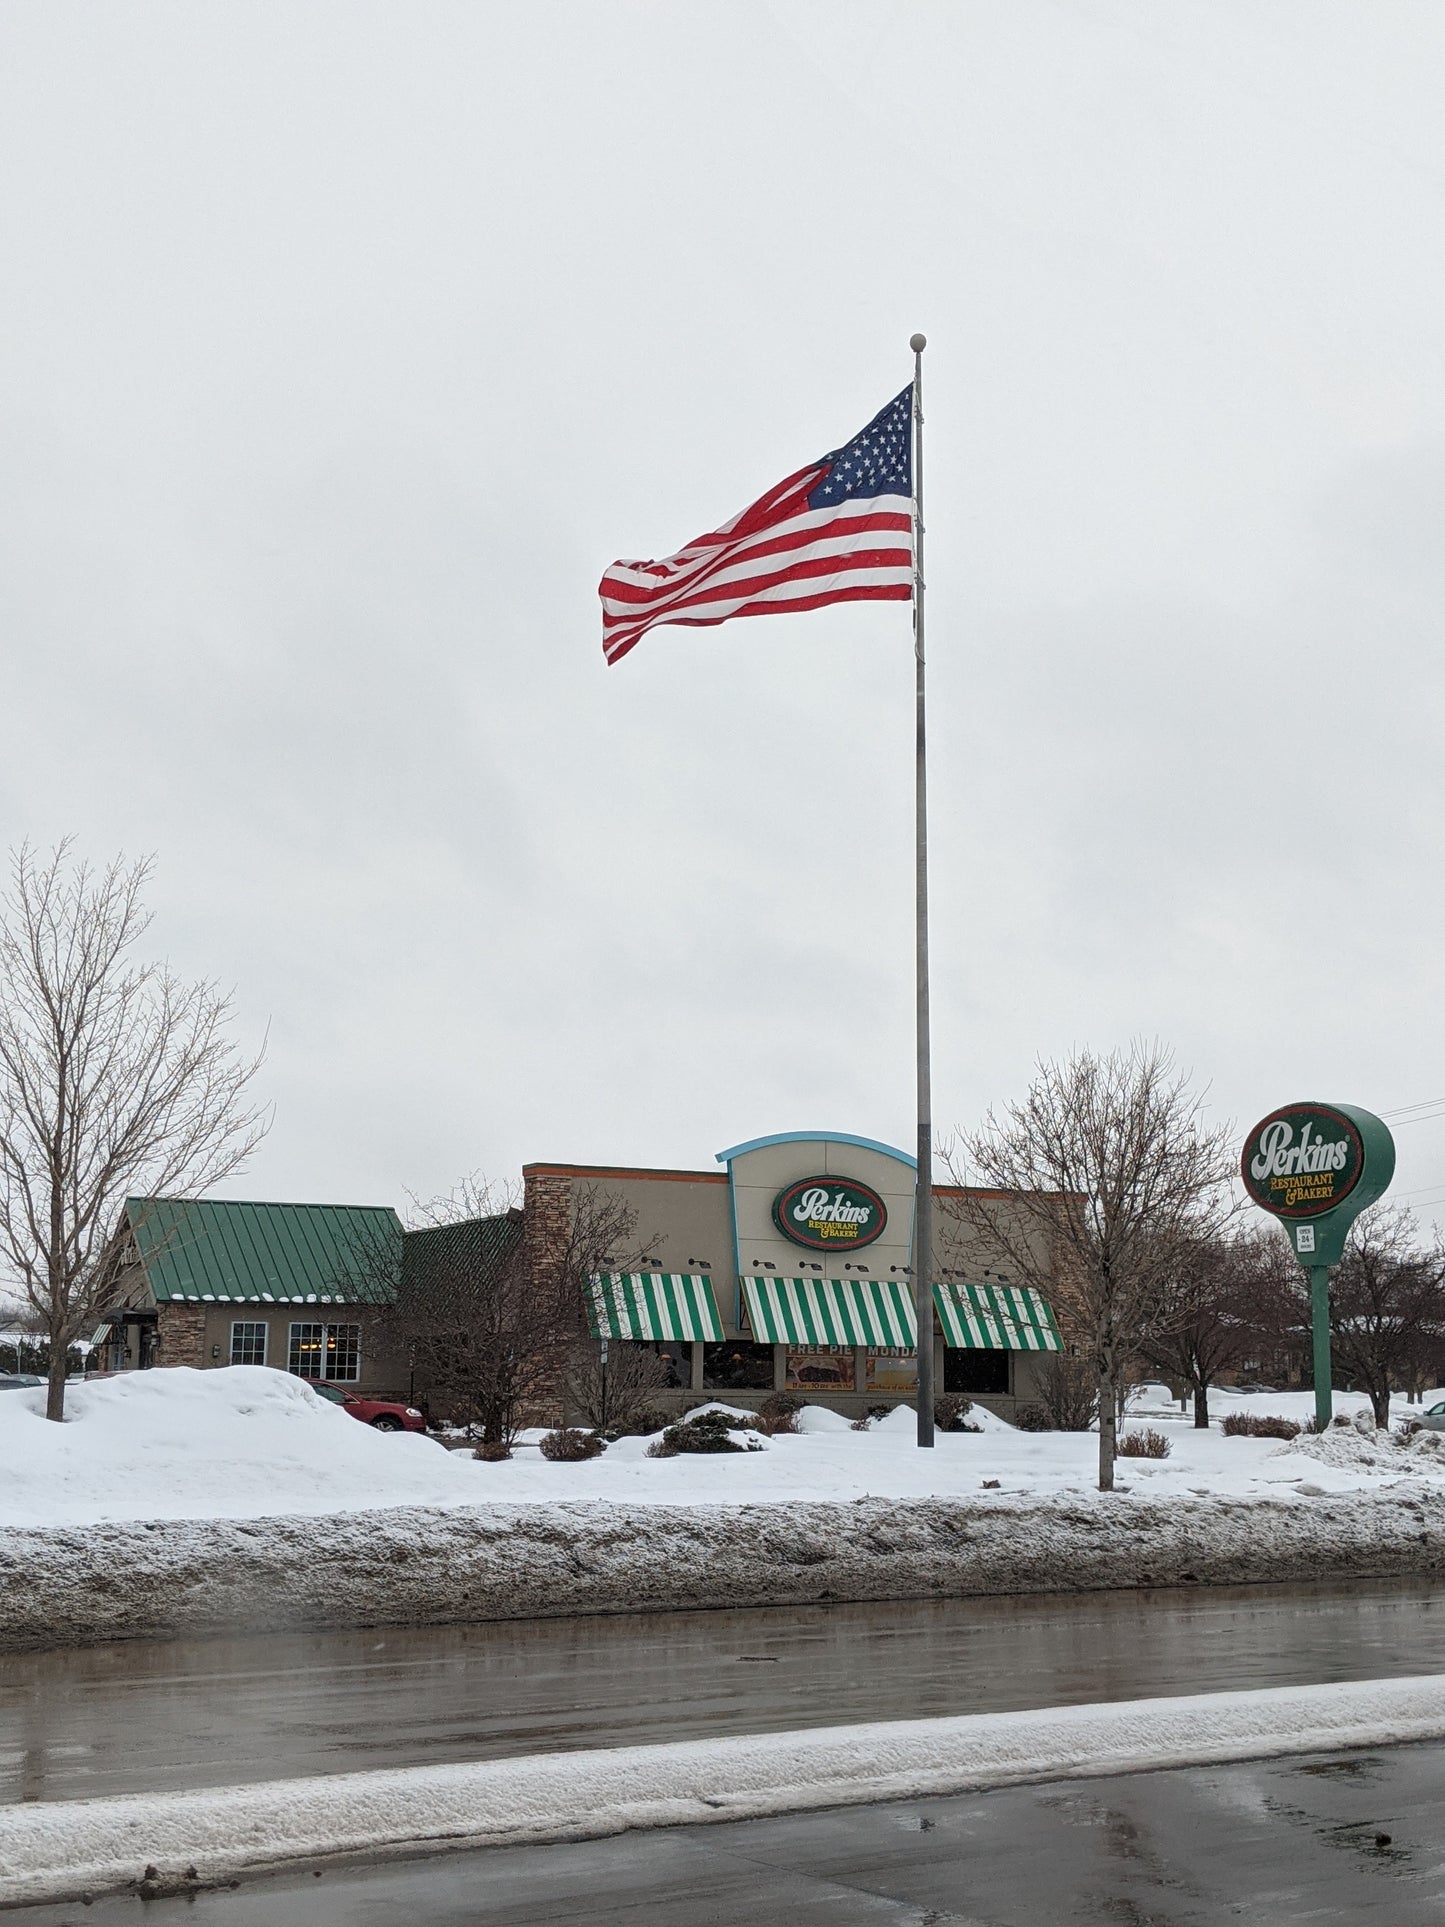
{"x": 789, "y": 1269}
{"x": 218, "y": 1281}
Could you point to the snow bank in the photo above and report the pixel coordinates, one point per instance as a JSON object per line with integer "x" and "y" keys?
{"x": 246, "y": 1442}
{"x": 444, "y": 1565}
{"x": 232, "y": 1443}
{"x": 63, "y": 1850}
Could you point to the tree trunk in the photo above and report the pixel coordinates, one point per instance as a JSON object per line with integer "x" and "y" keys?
{"x": 1201, "y": 1406}
{"x": 55, "y": 1383}
{"x": 1381, "y": 1403}
{"x": 1108, "y": 1431}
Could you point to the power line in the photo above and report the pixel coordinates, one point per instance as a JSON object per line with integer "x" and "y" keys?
{"x": 1417, "y": 1113}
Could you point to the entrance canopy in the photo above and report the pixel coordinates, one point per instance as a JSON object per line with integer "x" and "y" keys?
{"x": 652, "y": 1304}
{"x": 996, "y": 1318}
{"x": 831, "y": 1311}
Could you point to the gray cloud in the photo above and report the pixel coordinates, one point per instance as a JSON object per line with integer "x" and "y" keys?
{"x": 341, "y": 348}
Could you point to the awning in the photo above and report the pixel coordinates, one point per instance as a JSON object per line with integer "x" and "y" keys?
{"x": 996, "y": 1318}
{"x": 652, "y": 1304}
{"x": 102, "y": 1332}
{"x": 831, "y": 1311}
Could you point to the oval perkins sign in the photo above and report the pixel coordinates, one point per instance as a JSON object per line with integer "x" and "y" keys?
{"x": 829, "y": 1214}
{"x": 1302, "y": 1161}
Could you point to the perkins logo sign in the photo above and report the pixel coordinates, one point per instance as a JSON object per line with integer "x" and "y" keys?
{"x": 1303, "y": 1161}
{"x": 829, "y": 1214}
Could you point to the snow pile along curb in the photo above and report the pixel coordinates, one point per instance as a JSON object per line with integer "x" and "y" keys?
{"x": 435, "y": 1566}
{"x": 64, "y": 1849}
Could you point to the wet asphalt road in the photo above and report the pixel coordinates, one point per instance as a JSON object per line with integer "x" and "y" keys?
{"x": 133, "y": 1717}
{"x": 1277, "y": 1842}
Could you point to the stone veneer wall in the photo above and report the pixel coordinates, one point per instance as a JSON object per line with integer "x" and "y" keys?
{"x": 181, "y": 1335}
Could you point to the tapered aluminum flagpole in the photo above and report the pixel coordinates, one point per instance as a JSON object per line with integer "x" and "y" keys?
{"x": 923, "y": 1191}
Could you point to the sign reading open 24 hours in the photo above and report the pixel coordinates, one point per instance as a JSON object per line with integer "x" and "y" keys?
{"x": 830, "y": 1214}
{"x": 1302, "y": 1161}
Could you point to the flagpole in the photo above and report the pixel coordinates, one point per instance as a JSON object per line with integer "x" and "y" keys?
{"x": 923, "y": 1177}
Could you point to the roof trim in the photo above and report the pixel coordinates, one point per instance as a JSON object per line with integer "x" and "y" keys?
{"x": 621, "y": 1171}
{"x": 260, "y": 1204}
{"x": 815, "y": 1137}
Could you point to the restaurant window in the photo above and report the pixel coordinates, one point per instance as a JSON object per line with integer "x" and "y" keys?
{"x": 676, "y": 1356}
{"x": 248, "y": 1342}
{"x": 736, "y": 1366}
{"x": 820, "y": 1368}
{"x": 979, "y": 1372}
{"x": 330, "y": 1352}
{"x": 890, "y": 1370}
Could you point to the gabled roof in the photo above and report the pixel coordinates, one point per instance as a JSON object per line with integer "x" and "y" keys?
{"x": 217, "y": 1250}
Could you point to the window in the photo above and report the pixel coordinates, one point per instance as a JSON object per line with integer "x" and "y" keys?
{"x": 966, "y": 1370}
{"x": 325, "y": 1351}
{"x": 676, "y": 1355}
{"x": 737, "y": 1367}
{"x": 248, "y": 1343}
{"x": 892, "y": 1370}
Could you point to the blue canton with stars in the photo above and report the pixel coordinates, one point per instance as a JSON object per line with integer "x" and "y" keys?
{"x": 877, "y": 462}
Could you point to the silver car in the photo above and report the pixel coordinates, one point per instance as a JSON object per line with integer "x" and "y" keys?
{"x": 1431, "y": 1421}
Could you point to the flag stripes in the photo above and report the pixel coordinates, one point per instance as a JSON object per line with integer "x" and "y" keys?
{"x": 839, "y": 530}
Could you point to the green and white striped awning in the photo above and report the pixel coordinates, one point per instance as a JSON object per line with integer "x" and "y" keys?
{"x": 996, "y": 1318}
{"x": 652, "y": 1304}
{"x": 831, "y": 1311}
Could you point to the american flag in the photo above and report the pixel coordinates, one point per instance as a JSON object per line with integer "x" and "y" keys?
{"x": 840, "y": 530}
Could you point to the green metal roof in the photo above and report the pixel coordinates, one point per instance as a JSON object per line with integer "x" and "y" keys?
{"x": 214, "y": 1250}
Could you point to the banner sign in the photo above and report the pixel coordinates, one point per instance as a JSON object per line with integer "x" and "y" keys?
{"x": 830, "y": 1214}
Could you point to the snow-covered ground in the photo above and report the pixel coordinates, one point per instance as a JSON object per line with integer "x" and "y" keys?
{"x": 248, "y": 1442}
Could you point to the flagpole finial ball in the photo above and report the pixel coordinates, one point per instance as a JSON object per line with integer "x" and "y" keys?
{"x": 918, "y": 343}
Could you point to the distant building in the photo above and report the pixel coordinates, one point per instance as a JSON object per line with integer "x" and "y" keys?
{"x": 210, "y": 1281}
{"x": 790, "y": 1270}
{"x": 787, "y": 1270}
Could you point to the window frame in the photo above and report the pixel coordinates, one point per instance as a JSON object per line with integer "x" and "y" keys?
{"x": 250, "y": 1325}
{"x": 329, "y": 1350}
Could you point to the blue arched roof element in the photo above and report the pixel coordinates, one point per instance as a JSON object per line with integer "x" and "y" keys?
{"x": 801, "y": 1137}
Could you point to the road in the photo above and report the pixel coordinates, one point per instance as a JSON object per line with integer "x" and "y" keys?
{"x": 135, "y": 1717}
{"x": 1348, "y": 1838}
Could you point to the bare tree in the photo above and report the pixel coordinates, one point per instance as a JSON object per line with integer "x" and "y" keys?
{"x": 485, "y": 1327}
{"x": 1068, "y": 1393}
{"x": 116, "y": 1079}
{"x": 615, "y": 1382}
{"x": 1209, "y": 1316}
{"x": 1387, "y": 1305}
{"x": 1095, "y": 1187}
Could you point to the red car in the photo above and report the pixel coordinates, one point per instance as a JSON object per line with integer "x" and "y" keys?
{"x": 382, "y": 1414}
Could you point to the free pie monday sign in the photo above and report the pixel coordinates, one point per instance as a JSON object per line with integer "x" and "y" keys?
{"x": 829, "y": 1214}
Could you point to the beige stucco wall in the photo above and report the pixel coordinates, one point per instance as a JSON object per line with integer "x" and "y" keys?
{"x": 684, "y": 1223}
{"x": 191, "y": 1334}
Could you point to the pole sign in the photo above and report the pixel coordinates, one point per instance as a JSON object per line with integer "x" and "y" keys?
{"x": 830, "y": 1214}
{"x": 1316, "y": 1167}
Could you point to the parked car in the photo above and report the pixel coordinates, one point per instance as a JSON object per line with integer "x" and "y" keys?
{"x": 382, "y": 1414}
{"x": 19, "y": 1381}
{"x": 1431, "y": 1421}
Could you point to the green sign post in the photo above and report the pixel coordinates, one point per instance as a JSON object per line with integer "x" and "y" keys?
{"x": 1315, "y": 1167}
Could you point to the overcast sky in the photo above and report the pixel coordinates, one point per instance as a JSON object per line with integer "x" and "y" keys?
{"x": 343, "y": 345}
